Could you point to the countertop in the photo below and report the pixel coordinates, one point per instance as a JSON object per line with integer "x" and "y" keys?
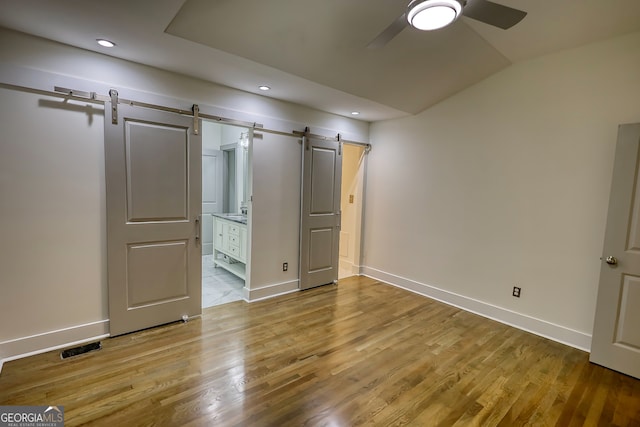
{"x": 235, "y": 217}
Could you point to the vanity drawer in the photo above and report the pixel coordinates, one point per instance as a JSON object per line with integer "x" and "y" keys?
{"x": 234, "y": 249}
{"x": 234, "y": 229}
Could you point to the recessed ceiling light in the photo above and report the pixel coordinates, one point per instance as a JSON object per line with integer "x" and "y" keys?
{"x": 355, "y": 113}
{"x": 264, "y": 87}
{"x": 105, "y": 43}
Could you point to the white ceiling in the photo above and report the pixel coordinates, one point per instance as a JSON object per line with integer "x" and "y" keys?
{"x": 314, "y": 52}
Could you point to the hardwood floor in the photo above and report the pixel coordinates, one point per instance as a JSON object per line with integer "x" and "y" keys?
{"x": 358, "y": 353}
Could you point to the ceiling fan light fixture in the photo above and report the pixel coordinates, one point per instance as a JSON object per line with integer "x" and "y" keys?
{"x": 429, "y": 15}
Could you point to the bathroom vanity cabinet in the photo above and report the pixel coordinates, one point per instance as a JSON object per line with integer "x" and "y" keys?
{"x": 230, "y": 243}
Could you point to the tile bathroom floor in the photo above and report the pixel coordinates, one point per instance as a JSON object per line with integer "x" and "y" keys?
{"x": 218, "y": 285}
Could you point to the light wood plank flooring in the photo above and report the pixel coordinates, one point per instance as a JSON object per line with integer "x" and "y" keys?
{"x": 358, "y": 353}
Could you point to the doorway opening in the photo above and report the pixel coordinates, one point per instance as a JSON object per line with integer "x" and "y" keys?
{"x": 353, "y": 161}
{"x": 225, "y": 169}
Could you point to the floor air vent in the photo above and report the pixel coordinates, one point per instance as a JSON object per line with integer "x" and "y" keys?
{"x": 70, "y": 352}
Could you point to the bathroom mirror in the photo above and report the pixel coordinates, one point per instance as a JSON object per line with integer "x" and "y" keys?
{"x": 236, "y": 160}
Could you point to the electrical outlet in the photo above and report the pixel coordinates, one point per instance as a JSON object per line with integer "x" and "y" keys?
{"x": 285, "y": 266}
{"x": 350, "y": 198}
{"x": 516, "y": 292}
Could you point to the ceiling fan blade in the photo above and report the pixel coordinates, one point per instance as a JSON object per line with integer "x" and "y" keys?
{"x": 493, "y": 13}
{"x": 389, "y": 33}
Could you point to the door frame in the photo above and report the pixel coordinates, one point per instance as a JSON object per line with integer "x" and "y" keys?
{"x": 359, "y": 208}
{"x": 207, "y": 217}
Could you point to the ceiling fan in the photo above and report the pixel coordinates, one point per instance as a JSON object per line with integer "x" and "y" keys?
{"x": 433, "y": 14}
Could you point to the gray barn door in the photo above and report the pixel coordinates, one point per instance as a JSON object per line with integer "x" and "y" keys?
{"x": 153, "y": 182}
{"x": 320, "y": 225}
{"x": 616, "y": 334}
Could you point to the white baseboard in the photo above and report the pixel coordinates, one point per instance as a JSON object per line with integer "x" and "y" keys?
{"x": 352, "y": 268}
{"x": 561, "y": 334}
{"x": 257, "y": 294}
{"x": 356, "y": 269}
{"x": 53, "y": 340}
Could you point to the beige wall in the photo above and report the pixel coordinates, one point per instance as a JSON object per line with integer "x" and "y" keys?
{"x": 506, "y": 184}
{"x": 275, "y": 215}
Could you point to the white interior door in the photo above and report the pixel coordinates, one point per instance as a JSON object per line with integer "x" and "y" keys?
{"x": 212, "y": 179}
{"x": 320, "y": 224}
{"x": 616, "y": 334}
{"x": 154, "y": 201}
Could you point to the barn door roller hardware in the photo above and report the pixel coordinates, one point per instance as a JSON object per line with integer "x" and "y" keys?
{"x": 307, "y": 134}
{"x": 114, "y": 106}
{"x": 115, "y": 100}
{"x": 196, "y": 112}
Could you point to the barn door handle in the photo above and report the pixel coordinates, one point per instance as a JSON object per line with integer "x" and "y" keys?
{"x": 611, "y": 260}
{"x": 198, "y": 227}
